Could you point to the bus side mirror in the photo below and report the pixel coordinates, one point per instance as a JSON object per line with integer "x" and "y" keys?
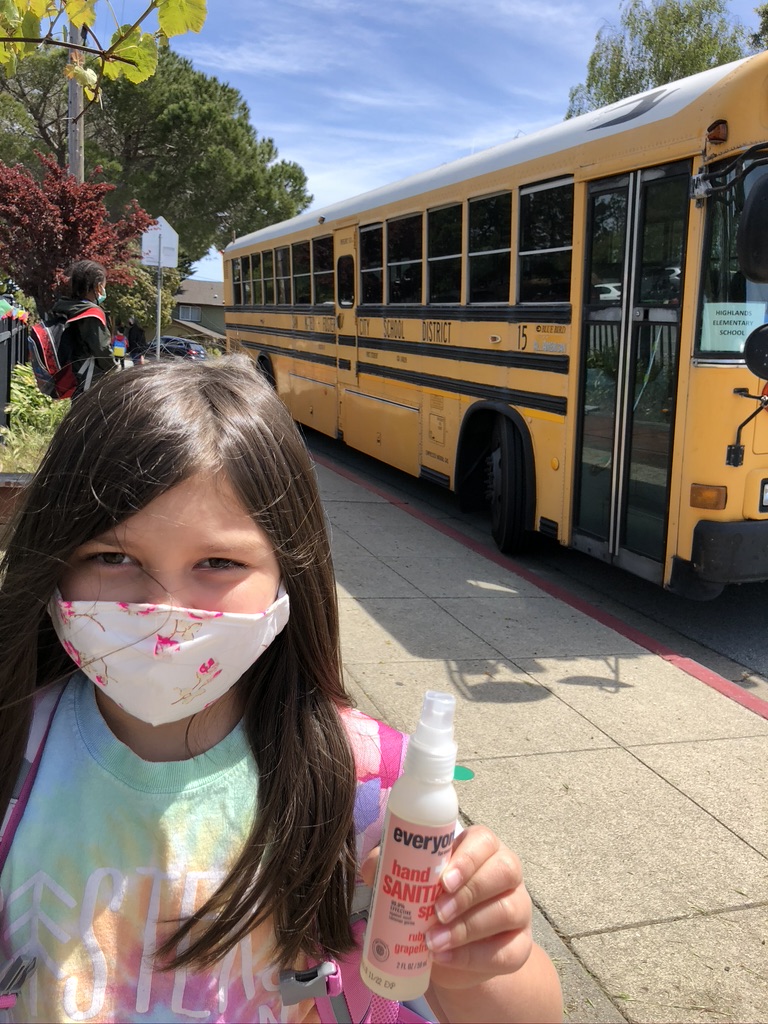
{"x": 752, "y": 235}
{"x": 756, "y": 352}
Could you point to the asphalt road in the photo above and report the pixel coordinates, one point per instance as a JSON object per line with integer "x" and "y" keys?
{"x": 727, "y": 634}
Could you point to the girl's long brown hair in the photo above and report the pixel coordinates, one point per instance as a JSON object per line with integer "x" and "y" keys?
{"x": 130, "y": 439}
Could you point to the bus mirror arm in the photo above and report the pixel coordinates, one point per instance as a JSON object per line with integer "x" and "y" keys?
{"x": 734, "y": 453}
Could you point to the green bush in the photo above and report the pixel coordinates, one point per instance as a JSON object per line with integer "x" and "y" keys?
{"x": 32, "y": 420}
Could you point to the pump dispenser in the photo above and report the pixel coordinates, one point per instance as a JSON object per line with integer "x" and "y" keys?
{"x": 418, "y": 835}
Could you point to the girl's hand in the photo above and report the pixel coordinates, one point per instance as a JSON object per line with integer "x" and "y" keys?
{"x": 483, "y": 926}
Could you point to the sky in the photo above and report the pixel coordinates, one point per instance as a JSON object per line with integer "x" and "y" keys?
{"x": 363, "y": 93}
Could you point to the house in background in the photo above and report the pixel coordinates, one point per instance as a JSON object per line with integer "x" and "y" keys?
{"x": 198, "y": 312}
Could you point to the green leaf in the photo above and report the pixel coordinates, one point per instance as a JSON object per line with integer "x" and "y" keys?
{"x": 179, "y": 16}
{"x": 86, "y": 77}
{"x": 30, "y": 29}
{"x": 81, "y": 12}
{"x": 9, "y": 15}
{"x": 140, "y": 48}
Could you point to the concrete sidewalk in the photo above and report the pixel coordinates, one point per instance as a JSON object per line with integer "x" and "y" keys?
{"x": 635, "y": 795}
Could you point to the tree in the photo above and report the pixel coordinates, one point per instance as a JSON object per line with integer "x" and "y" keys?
{"x": 181, "y": 143}
{"x": 46, "y": 226}
{"x": 132, "y": 53}
{"x": 759, "y": 40}
{"x": 658, "y": 42}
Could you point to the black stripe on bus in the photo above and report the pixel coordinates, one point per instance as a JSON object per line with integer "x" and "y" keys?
{"x": 487, "y": 357}
{"x": 510, "y": 396}
{"x": 539, "y": 313}
{"x": 322, "y": 337}
{"x": 490, "y": 357}
{"x": 345, "y": 364}
{"x": 556, "y": 313}
{"x": 278, "y": 350}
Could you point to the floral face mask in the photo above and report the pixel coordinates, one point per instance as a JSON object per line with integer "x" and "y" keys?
{"x": 159, "y": 663}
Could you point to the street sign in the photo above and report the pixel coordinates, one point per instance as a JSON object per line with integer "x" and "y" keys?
{"x": 160, "y": 245}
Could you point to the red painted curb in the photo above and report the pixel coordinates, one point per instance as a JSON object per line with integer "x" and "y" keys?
{"x": 692, "y": 668}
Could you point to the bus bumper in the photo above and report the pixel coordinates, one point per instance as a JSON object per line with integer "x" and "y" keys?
{"x": 731, "y": 552}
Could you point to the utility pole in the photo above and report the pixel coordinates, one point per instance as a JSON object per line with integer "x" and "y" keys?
{"x": 75, "y": 111}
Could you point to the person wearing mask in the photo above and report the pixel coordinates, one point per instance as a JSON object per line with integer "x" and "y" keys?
{"x": 86, "y": 343}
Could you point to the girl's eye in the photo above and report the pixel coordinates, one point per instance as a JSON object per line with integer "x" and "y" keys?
{"x": 220, "y": 563}
{"x": 111, "y": 558}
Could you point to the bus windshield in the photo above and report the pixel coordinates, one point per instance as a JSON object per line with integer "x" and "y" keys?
{"x": 730, "y": 307}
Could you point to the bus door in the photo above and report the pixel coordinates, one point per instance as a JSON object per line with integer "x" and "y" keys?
{"x": 346, "y": 321}
{"x": 630, "y": 339}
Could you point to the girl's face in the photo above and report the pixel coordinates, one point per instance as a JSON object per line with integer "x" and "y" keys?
{"x": 193, "y": 547}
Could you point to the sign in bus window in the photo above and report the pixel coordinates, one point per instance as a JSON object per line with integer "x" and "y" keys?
{"x": 725, "y": 326}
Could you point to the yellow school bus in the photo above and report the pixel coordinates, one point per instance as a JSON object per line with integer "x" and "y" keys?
{"x": 553, "y": 328}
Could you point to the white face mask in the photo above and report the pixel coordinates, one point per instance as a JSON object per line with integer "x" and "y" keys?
{"x": 159, "y": 663}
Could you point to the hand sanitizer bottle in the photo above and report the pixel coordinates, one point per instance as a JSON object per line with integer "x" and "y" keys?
{"x": 418, "y": 834}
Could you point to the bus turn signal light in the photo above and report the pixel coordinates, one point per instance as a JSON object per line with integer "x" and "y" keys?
{"x": 705, "y": 496}
{"x": 718, "y": 131}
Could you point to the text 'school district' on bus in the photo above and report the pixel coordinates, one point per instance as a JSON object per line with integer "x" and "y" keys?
{"x": 554, "y": 328}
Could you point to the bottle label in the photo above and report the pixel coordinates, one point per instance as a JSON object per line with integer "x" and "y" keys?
{"x": 407, "y": 885}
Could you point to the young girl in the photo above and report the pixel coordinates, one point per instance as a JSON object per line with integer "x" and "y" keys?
{"x": 206, "y": 796}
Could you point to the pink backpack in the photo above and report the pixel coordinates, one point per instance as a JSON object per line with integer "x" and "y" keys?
{"x": 335, "y": 985}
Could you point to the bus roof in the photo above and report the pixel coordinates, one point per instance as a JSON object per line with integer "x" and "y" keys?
{"x": 646, "y": 108}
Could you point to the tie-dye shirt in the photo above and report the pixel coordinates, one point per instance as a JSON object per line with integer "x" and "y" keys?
{"x": 112, "y": 849}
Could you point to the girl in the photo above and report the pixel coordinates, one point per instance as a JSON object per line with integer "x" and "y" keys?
{"x": 200, "y": 823}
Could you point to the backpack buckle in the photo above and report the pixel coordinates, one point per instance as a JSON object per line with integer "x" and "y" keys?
{"x": 12, "y": 977}
{"x": 318, "y": 982}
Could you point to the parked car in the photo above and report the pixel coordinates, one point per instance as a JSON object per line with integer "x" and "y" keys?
{"x": 176, "y": 348}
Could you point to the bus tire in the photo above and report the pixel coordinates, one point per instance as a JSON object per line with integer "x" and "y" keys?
{"x": 264, "y": 363}
{"x": 506, "y": 490}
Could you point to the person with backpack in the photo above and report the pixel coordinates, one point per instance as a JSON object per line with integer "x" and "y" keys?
{"x": 86, "y": 342}
{"x": 119, "y": 342}
{"x": 191, "y": 805}
{"x": 137, "y": 342}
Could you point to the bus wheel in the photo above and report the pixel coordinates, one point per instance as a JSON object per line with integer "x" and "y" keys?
{"x": 506, "y": 487}
{"x": 265, "y": 365}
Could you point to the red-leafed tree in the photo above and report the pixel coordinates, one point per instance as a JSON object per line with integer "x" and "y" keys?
{"x": 46, "y": 226}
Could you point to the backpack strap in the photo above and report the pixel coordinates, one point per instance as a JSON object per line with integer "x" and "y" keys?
{"x": 45, "y": 709}
{"x": 15, "y": 972}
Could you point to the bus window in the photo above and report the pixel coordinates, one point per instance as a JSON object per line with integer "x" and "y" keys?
{"x": 663, "y": 240}
{"x": 372, "y": 264}
{"x": 345, "y": 277}
{"x": 283, "y": 276}
{"x": 546, "y": 234}
{"x": 302, "y": 281}
{"x": 258, "y": 285}
{"x": 269, "y": 279}
{"x": 237, "y": 291}
{"x": 322, "y": 269}
{"x": 404, "y": 247}
{"x": 245, "y": 274}
{"x": 444, "y": 229}
{"x": 489, "y": 248}
{"x": 731, "y": 306}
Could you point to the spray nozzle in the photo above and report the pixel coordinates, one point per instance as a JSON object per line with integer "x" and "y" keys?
{"x": 435, "y": 728}
{"x": 432, "y": 750}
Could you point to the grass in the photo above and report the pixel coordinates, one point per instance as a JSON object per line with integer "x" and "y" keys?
{"x": 33, "y": 418}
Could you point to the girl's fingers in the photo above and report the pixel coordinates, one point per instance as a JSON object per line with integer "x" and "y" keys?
{"x": 481, "y": 868}
{"x": 504, "y": 914}
{"x": 468, "y": 965}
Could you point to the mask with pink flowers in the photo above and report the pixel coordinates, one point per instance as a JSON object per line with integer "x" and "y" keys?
{"x": 159, "y": 663}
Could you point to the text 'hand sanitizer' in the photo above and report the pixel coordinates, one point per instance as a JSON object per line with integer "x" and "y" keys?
{"x": 418, "y": 835}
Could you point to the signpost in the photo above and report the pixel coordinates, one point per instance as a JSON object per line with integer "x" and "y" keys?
{"x": 160, "y": 248}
